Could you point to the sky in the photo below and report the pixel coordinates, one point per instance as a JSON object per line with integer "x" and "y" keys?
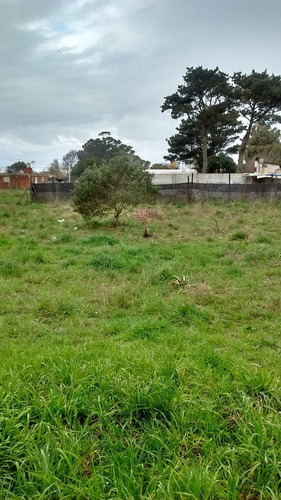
{"x": 72, "y": 69}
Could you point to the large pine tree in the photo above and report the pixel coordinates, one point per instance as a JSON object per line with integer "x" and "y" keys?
{"x": 259, "y": 96}
{"x": 209, "y": 122}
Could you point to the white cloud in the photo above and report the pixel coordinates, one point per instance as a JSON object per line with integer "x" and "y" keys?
{"x": 73, "y": 69}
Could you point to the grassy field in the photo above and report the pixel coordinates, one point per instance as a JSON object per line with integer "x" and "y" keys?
{"x": 140, "y": 368}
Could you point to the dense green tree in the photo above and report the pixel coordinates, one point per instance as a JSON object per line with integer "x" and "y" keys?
{"x": 259, "y": 95}
{"x": 82, "y": 165}
{"x": 264, "y": 142}
{"x": 18, "y": 166}
{"x": 205, "y": 103}
{"x": 112, "y": 187}
{"x": 221, "y": 163}
{"x": 104, "y": 148}
{"x": 186, "y": 146}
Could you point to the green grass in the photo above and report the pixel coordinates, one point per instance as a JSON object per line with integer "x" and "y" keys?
{"x": 140, "y": 368}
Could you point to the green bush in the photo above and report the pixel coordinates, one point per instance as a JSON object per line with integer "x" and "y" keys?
{"x": 112, "y": 188}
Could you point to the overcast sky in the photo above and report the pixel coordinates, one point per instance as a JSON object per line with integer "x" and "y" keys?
{"x": 74, "y": 68}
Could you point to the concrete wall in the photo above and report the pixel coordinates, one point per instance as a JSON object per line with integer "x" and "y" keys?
{"x": 162, "y": 177}
{"x": 219, "y": 178}
{"x": 175, "y": 177}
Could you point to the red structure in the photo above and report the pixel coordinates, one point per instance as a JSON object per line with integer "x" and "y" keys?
{"x": 21, "y": 181}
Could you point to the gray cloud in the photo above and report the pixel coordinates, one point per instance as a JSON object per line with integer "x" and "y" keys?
{"x": 72, "y": 69}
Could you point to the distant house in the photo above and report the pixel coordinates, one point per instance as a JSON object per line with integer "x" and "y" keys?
{"x": 21, "y": 180}
{"x": 265, "y": 171}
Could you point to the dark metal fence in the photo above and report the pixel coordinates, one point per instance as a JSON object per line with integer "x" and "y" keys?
{"x": 51, "y": 191}
{"x": 193, "y": 191}
{"x": 189, "y": 191}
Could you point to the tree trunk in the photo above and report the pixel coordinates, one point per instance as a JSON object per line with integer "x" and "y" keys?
{"x": 204, "y": 150}
{"x": 116, "y": 222}
{"x": 118, "y": 210}
{"x": 242, "y": 148}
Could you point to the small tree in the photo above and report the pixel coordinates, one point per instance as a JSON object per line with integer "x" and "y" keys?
{"x": 264, "y": 142}
{"x": 68, "y": 161}
{"x": 16, "y": 167}
{"x": 55, "y": 169}
{"x": 112, "y": 187}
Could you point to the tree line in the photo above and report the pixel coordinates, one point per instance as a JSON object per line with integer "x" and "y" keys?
{"x": 218, "y": 116}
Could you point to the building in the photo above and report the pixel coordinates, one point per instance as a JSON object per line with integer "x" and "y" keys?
{"x": 21, "y": 180}
{"x": 265, "y": 171}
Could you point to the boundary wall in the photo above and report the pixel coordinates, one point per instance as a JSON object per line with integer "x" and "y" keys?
{"x": 199, "y": 191}
{"x": 216, "y": 186}
{"x": 51, "y": 191}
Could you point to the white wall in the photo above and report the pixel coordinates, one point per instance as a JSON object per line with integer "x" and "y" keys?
{"x": 169, "y": 176}
{"x": 162, "y": 177}
{"x": 219, "y": 178}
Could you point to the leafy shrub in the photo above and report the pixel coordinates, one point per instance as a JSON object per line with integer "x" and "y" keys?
{"x": 112, "y": 188}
